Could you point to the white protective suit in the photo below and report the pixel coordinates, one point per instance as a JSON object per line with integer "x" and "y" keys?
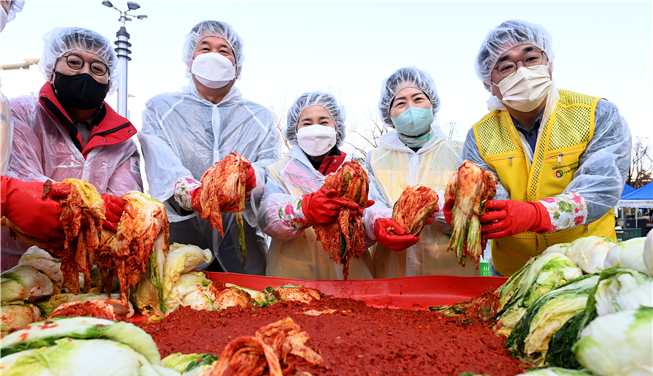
{"x": 183, "y": 135}
{"x": 392, "y": 167}
{"x": 296, "y": 253}
{"x": 6, "y": 134}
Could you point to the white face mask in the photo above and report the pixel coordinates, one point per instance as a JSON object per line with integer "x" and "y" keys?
{"x": 3, "y": 19}
{"x": 316, "y": 140}
{"x": 525, "y": 89}
{"x": 213, "y": 70}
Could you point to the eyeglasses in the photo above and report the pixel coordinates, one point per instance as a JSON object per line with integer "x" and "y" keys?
{"x": 75, "y": 62}
{"x": 532, "y": 59}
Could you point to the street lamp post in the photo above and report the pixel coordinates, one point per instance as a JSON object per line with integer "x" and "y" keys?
{"x": 123, "y": 51}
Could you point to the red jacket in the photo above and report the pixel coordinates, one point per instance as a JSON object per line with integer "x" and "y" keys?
{"x": 110, "y": 128}
{"x": 331, "y": 163}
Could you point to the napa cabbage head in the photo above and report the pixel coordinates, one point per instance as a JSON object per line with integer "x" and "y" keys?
{"x": 542, "y": 275}
{"x": 618, "y": 344}
{"x": 75, "y": 357}
{"x": 559, "y": 248}
{"x": 187, "y": 284}
{"x": 182, "y": 259}
{"x": 23, "y": 282}
{"x": 17, "y": 315}
{"x": 529, "y": 340}
{"x": 648, "y": 254}
{"x": 46, "y": 333}
{"x": 621, "y": 289}
{"x": 628, "y": 254}
{"x": 589, "y": 253}
{"x": 45, "y": 263}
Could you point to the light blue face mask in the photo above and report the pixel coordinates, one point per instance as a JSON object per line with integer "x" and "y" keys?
{"x": 414, "y": 121}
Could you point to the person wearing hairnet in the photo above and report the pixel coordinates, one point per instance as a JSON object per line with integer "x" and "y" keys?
{"x": 185, "y": 133}
{"x": 416, "y": 151}
{"x": 561, "y": 157}
{"x": 293, "y": 201}
{"x": 68, "y": 131}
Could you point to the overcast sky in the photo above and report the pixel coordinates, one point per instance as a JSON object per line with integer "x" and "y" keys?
{"x": 601, "y": 49}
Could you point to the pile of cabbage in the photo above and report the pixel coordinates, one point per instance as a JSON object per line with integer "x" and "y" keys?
{"x": 32, "y": 290}
{"x": 583, "y": 308}
{"x": 580, "y": 308}
{"x": 37, "y": 275}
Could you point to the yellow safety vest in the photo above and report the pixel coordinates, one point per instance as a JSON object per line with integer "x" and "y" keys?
{"x": 562, "y": 141}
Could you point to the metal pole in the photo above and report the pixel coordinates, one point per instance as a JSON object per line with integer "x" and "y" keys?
{"x": 122, "y": 50}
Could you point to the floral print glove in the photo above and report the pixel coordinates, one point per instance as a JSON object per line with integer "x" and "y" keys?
{"x": 566, "y": 210}
{"x": 184, "y": 188}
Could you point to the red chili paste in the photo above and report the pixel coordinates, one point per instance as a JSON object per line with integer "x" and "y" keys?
{"x": 354, "y": 340}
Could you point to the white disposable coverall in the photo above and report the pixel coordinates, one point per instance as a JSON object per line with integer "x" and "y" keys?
{"x": 392, "y": 167}
{"x": 297, "y": 253}
{"x": 6, "y": 134}
{"x": 183, "y": 135}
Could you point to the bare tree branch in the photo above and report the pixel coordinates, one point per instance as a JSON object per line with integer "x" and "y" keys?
{"x": 279, "y": 114}
{"x": 641, "y": 163}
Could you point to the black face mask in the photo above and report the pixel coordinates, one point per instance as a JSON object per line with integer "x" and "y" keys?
{"x": 80, "y": 91}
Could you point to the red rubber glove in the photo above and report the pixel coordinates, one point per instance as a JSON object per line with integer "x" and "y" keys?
{"x": 195, "y": 199}
{"x": 113, "y": 207}
{"x": 323, "y": 207}
{"x": 511, "y": 217}
{"x": 448, "y": 208}
{"x": 396, "y": 242}
{"x": 23, "y": 204}
{"x": 250, "y": 178}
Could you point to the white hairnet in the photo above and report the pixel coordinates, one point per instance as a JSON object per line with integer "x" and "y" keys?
{"x": 213, "y": 29}
{"x": 62, "y": 40}
{"x": 510, "y": 34}
{"x": 15, "y": 7}
{"x": 401, "y": 79}
{"x": 316, "y": 98}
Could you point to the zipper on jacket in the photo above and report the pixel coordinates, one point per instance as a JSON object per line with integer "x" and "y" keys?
{"x": 510, "y": 160}
{"x": 560, "y": 158}
{"x": 110, "y": 130}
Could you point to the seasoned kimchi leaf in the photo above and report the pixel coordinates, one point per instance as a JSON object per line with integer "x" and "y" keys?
{"x": 138, "y": 247}
{"x": 472, "y": 187}
{"x": 82, "y": 213}
{"x": 344, "y": 239}
{"x": 414, "y": 207}
{"x": 223, "y": 191}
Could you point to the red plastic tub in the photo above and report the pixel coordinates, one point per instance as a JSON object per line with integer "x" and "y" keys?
{"x": 408, "y": 293}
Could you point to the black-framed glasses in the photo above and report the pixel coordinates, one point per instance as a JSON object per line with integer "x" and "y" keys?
{"x": 532, "y": 59}
{"x": 75, "y": 62}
